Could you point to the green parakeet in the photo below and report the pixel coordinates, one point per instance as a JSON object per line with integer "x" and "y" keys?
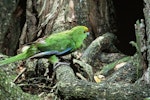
{"x": 54, "y": 45}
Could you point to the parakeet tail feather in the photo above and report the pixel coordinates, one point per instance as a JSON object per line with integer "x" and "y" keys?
{"x": 13, "y": 59}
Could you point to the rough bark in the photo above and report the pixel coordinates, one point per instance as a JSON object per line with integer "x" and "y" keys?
{"x": 102, "y": 43}
{"x": 120, "y": 85}
{"x": 101, "y": 17}
{"x": 12, "y": 14}
{"x": 146, "y": 75}
{"x": 35, "y": 19}
{"x": 147, "y": 21}
{"x": 71, "y": 87}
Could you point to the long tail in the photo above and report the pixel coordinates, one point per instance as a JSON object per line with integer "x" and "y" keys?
{"x": 13, "y": 59}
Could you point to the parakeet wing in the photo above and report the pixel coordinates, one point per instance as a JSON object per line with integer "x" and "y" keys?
{"x": 56, "y": 42}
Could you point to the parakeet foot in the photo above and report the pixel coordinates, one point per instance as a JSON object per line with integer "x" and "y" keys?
{"x": 59, "y": 63}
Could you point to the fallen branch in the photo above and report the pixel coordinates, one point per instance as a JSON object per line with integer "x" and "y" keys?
{"x": 70, "y": 87}
{"x": 105, "y": 42}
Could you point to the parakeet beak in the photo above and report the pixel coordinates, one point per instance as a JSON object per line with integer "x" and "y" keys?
{"x": 87, "y": 33}
{"x": 86, "y": 30}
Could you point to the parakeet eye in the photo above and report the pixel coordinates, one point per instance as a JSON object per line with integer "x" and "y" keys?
{"x": 84, "y": 31}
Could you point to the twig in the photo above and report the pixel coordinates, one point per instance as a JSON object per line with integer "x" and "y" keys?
{"x": 23, "y": 70}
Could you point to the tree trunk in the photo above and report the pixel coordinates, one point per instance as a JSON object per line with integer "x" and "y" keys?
{"x": 30, "y": 20}
{"x": 12, "y": 21}
{"x": 147, "y": 18}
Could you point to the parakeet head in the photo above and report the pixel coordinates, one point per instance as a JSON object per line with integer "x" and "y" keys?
{"x": 84, "y": 29}
{"x": 78, "y": 34}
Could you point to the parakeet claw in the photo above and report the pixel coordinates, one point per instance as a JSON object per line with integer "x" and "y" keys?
{"x": 60, "y": 63}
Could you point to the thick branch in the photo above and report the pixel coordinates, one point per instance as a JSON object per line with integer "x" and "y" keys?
{"x": 71, "y": 87}
{"x": 104, "y": 42}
